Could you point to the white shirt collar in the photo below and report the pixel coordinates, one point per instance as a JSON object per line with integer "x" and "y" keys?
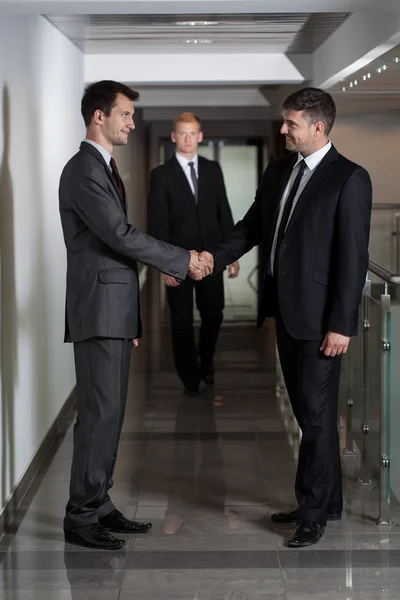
{"x": 312, "y": 161}
{"x": 105, "y": 153}
{"x": 185, "y": 161}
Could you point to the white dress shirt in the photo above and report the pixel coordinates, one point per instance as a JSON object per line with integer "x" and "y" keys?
{"x": 105, "y": 154}
{"x": 184, "y": 162}
{"x": 312, "y": 161}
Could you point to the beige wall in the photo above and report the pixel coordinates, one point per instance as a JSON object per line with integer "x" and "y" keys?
{"x": 373, "y": 141}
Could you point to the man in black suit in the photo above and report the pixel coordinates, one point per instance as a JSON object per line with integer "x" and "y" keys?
{"x": 312, "y": 215}
{"x": 102, "y": 307}
{"x": 188, "y": 207}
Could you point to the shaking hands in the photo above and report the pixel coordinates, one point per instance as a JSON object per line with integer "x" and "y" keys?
{"x": 201, "y": 265}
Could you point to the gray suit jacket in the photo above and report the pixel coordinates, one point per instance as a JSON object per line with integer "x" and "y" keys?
{"x": 102, "y": 250}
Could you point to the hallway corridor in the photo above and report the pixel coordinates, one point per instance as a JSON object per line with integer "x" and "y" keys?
{"x": 207, "y": 472}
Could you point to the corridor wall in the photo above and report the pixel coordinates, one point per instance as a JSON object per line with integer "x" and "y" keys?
{"x": 41, "y": 82}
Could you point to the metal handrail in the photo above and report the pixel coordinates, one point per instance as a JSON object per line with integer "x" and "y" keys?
{"x": 387, "y": 276}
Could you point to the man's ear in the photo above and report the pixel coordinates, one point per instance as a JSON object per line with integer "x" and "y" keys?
{"x": 200, "y": 137}
{"x": 173, "y": 136}
{"x": 319, "y": 128}
{"x": 98, "y": 117}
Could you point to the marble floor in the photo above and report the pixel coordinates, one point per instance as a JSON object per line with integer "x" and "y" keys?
{"x": 207, "y": 472}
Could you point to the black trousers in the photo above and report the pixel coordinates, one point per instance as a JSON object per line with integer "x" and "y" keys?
{"x": 102, "y": 373}
{"x": 210, "y": 302}
{"x": 312, "y": 381}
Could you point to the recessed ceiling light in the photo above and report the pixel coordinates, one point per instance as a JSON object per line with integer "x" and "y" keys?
{"x": 351, "y": 84}
{"x": 369, "y": 76}
{"x": 379, "y": 70}
{"x": 397, "y": 59}
{"x": 196, "y": 23}
{"x": 343, "y": 89}
{"x": 197, "y": 41}
{"x": 384, "y": 67}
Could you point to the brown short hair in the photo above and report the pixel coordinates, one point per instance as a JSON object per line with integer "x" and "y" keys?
{"x": 316, "y": 104}
{"x": 187, "y": 117}
{"x": 102, "y": 95}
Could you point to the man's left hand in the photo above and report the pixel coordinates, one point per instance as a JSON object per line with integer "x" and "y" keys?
{"x": 135, "y": 343}
{"x": 335, "y": 344}
{"x": 233, "y": 270}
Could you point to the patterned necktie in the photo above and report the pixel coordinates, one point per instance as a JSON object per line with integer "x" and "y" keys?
{"x": 194, "y": 180}
{"x": 117, "y": 178}
{"x": 287, "y": 211}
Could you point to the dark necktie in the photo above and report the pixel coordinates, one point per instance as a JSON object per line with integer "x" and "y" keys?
{"x": 286, "y": 212}
{"x": 194, "y": 180}
{"x": 117, "y": 178}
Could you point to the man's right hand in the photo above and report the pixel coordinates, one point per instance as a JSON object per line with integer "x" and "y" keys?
{"x": 201, "y": 265}
{"x": 170, "y": 281}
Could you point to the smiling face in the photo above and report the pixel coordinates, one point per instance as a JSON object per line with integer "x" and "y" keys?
{"x": 113, "y": 130}
{"x": 300, "y": 135}
{"x": 187, "y": 137}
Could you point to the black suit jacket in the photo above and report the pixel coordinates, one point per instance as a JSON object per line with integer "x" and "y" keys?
{"x": 175, "y": 217}
{"x": 323, "y": 257}
{"x": 102, "y": 250}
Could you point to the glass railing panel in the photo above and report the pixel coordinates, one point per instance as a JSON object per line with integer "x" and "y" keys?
{"x": 384, "y": 450}
{"x": 384, "y": 247}
{"x": 371, "y": 388}
{"x": 394, "y": 415}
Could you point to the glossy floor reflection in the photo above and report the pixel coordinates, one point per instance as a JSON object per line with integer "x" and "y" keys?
{"x": 207, "y": 472}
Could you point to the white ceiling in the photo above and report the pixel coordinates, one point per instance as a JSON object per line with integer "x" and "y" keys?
{"x": 192, "y": 6}
{"x": 226, "y": 96}
{"x": 377, "y": 88}
{"x": 184, "y": 33}
{"x": 277, "y": 41}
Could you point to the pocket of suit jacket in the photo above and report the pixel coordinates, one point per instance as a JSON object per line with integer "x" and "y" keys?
{"x": 320, "y": 277}
{"x": 116, "y": 276}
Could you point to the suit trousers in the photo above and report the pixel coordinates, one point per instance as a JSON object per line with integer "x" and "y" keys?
{"x": 312, "y": 382}
{"x": 210, "y": 302}
{"x": 102, "y": 373}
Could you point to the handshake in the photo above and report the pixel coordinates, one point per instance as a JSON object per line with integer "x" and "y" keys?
{"x": 201, "y": 264}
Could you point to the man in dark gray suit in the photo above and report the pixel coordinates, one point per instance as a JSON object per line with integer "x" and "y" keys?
{"x": 102, "y": 307}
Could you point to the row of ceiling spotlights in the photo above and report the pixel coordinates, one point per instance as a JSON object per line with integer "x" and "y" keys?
{"x": 381, "y": 69}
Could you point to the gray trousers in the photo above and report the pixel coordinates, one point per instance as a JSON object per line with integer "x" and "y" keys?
{"x": 102, "y": 373}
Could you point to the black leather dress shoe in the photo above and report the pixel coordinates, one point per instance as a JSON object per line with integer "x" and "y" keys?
{"x": 306, "y": 534}
{"x": 93, "y": 536}
{"x": 116, "y": 522}
{"x": 208, "y": 377}
{"x": 292, "y": 516}
{"x": 191, "y": 391}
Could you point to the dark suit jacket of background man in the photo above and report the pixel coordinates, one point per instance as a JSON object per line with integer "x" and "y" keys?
{"x": 323, "y": 258}
{"x": 174, "y": 215}
{"x": 102, "y": 250}
{"x": 102, "y": 318}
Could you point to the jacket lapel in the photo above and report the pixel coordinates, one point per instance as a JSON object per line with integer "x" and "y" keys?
{"x": 276, "y": 195}
{"x": 203, "y": 176}
{"x": 94, "y": 152}
{"x": 110, "y": 175}
{"x": 181, "y": 178}
{"x": 320, "y": 173}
